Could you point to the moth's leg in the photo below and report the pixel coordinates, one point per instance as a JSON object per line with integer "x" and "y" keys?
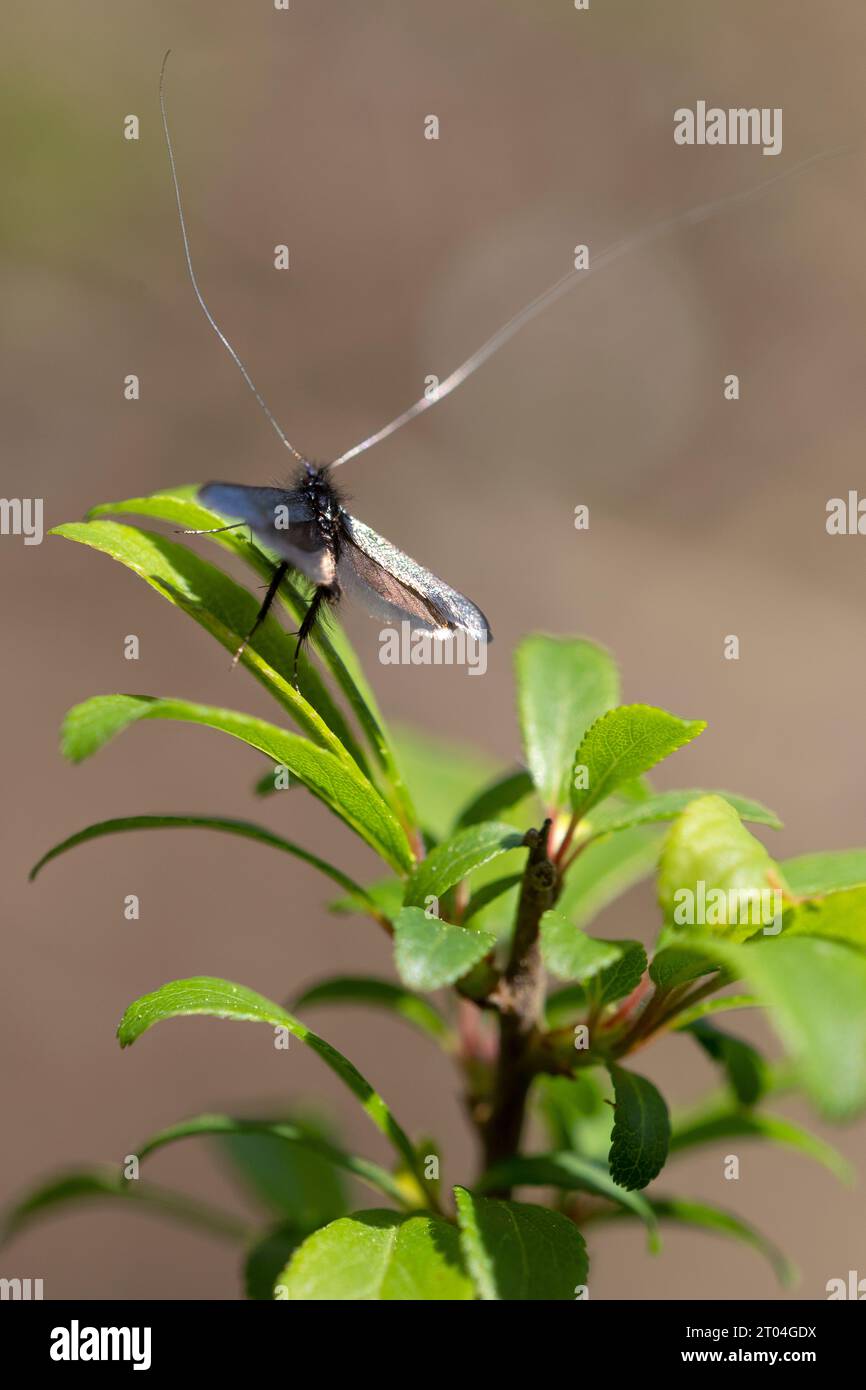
{"x": 276, "y": 581}
{"x": 325, "y": 593}
{"x": 215, "y": 530}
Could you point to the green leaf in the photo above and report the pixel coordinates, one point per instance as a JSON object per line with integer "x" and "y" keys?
{"x": 606, "y": 869}
{"x": 267, "y": 1256}
{"x": 641, "y": 1130}
{"x": 220, "y": 999}
{"x": 335, "y": 781}
{"x": 837, "y": 917}
{"x": 180, "y": 507}
{"x": 386, "y": 896}
{"x": 674, "y": 966}
{"x": 713, "y": 871}
{"x": 825, "y": 873}
{"x": 489, "y": 893}
{"x": 277, "y": 1180}
{"x": 573, "y": 1174}
{"x": 227, "y": 611}
{"x": 703, "y": 1007}
{"x": 429, "y": 954}
{"x": 82, "y": 1185}
{"x": 816, "y": 994}
{"x": 297, "y": 1181}
{"x": 377, "y": 1256}
{"x": 563, "y": 685}
{"x": 722, "y": 1124}
{"x": 442, "y": 773}
{"x": 665, "y": 806}
{"x": 578, "y": 1114}
{"x": 502, "y": 794}
{"x": 519, "y": 1252}
{"x": 244, "y": 828}
{"x": 743, "y": 1065}
{"x": 379, "y": 994}
{"x": 708, "y": 1218}
{"x": 451, "y": 861}
{"x": 625, "y": 974}
{"x": 613, "y": 982}
{"x": 621, "y": 745}
{"x": 569, "y": 953}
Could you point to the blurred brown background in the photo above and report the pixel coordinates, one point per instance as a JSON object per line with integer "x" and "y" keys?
{"x": 306, "y": 127}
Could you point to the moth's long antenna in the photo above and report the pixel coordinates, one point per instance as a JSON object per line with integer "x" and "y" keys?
{"x": 198, "y": 294}
{"x": 567, "y": 282}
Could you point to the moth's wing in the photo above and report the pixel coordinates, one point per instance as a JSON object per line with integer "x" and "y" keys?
{"x": 391, "y": 585}
{"x": 284, "y": 521}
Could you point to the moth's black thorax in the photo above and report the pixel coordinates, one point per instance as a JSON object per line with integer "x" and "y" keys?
{"x": 325, "y": 501}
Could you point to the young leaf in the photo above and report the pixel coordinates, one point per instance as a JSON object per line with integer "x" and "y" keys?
{"x": 335, "y": 781}
{"x": 244, "y": 828}
{"x": 380, "y": 994}
{"x": 713, "y": 871}
{"x": 839, "y": 916}
{"x": 227, "y": 611}
{"x": 375, "y": 1256}
{"x": 641, "y": 1130}
{"x": 563, "y": 685}
{"x": 451, "y": 861}
{"x": 519, "y": 1252}
{"x": 94, "y": 1184}
{"x": 722, "y": 1124}
{"x": 825, "y": 873}
{"x": 220, "y": 999}
{"x": 621, "y": 745}
{"x": 429, "y": 953}
{"x": 502, "y": 794}
{"x": 625, "y": 974}
{"x": 569, "y": 954}
{"x": 571, "y": 1173}
{"x": 675, "y": 965}
{"x": 816, "y": 993}
{"x": 743, "y": 1065}
{"x": 665, "y": 806}
{"x": 605, "y": 870}
{"x": 283, "y": 1136}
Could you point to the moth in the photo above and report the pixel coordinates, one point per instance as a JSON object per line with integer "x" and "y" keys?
{"x": 311, "y": 532}
{"x": 307, "y": 526}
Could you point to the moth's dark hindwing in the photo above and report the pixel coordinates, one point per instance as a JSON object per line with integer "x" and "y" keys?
{"x": 286, "y": 521}
{"x": 393, "y": 586}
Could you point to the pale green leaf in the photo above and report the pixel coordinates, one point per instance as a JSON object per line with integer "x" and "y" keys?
{"x": 569, "y": 954}
{"x": 621, "y": 745}
{"x": 375, "y": 1256}
{"x": 429, "y": 953}
{"x": 457, "y": 857}
{"x": 563, "y": 685}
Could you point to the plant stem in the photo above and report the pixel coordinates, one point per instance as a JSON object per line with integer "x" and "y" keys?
{"x": 520, "y": 996}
